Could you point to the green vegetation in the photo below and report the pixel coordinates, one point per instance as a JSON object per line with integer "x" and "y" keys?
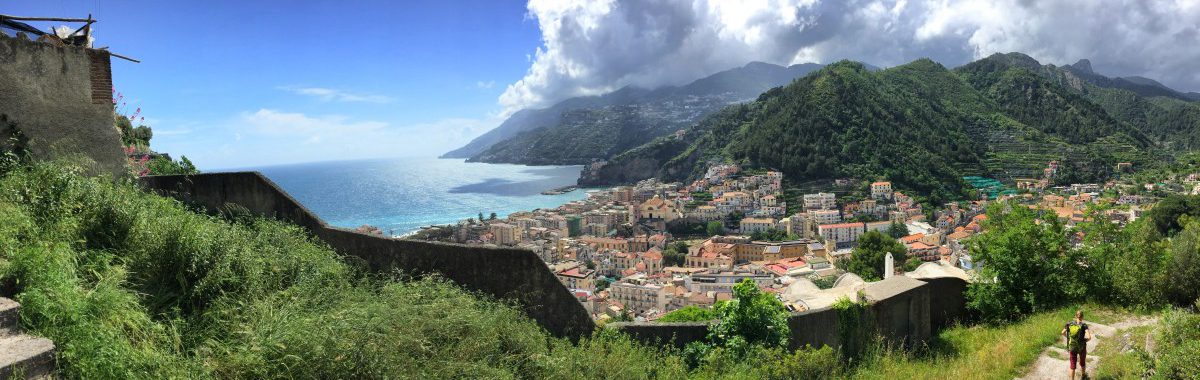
{"x": 132, "y": 285}
{"x": 675, "y": 254}
{"x": 867, "y": 260}
{"x": 690, "y": 313}
{"x": 968, "y": 353}
{"x": 165, "y": 166}
{"x": 715, "y": 228}
{"x": 925, "y": 128}
{"x": 773, "y": 235}
{"x": 1028, "y": 257}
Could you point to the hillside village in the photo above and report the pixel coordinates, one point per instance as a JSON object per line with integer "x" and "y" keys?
{"x": 637, "y": 252}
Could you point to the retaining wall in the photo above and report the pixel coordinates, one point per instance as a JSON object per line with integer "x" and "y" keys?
{"x": 503, "y": 273}
{"x": 60, "y": 97}
{"x": 899, "y": 309}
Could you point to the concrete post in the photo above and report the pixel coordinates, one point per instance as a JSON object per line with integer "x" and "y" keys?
{"x": 889, "y": 266}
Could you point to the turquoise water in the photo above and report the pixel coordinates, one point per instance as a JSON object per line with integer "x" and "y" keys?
{"x": 402, "y": 195}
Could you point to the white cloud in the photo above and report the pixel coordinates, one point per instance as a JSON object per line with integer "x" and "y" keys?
{"x": 485, "y": 85}
{"x": 272, "y": 136}
{"x": 330, "y": 95}
{"x": 595, "y": 46}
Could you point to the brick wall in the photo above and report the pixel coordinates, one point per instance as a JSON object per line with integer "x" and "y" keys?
{"x": 100, "y": 69}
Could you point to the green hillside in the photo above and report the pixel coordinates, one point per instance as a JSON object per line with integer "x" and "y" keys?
{"x": 919, "y": 125}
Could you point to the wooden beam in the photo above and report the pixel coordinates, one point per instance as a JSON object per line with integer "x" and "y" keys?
{"x": 19, "y": 18}
{"x": 124, "y": 57}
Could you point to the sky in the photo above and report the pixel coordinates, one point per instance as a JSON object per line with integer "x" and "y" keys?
{"x": 240, "y": 84}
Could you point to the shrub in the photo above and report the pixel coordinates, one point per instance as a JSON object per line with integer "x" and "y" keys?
{"x": 690, "y": 313}
{"x": 1026, "y": 265}
{"x": 1178, "y": 338}
{"x": 132, "y": 285}
{"x": 867, "y": 260}
{"x": 752, "y": 317}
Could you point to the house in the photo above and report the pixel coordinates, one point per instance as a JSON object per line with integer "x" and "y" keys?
{"x": 752, "y": 225}
{"x": 881, "y": 190}
{"x": 578, "y": 277}
{"x": 722, "y": 281}
{"x": 639, "y": 295}
{"x": 657, "y": 208}
{"x": 825, "y": 216}
{"x": 505, "y": 234}
{"x": 842, "y": 235}
{"x": 923, "y": 251}
{"x": 820, "y": 201}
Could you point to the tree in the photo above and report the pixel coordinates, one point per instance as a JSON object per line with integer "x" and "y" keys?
{"x": 1026, "y": 265}
{"x": 1183, "y": 265}
{"x": 715, "y": 228}
{"x": 867, "y": 259}
{"x": 752, "y": 317}
{"x": 897, "y": 230}
{"x": 675, "y": 254}
{"x": 1166, "y": 213}
{"x": 481, "y": 216}
{"x": 492, "y": 216}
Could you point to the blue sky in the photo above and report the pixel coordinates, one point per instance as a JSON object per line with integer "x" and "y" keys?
{"x": 251, "y": 83}
{"x": 239, "y": 84}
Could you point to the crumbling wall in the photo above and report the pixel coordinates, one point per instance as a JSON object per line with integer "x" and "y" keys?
{"x": 504, "y": 273}
{"x": 60, "y": 97}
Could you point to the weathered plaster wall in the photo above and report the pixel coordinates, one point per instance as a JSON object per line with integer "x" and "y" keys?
{"x": 61, "y": 98}
{"x": 499, "y": 272}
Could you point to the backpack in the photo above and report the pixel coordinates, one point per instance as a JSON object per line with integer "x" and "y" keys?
{"x": 1075, "y": 337}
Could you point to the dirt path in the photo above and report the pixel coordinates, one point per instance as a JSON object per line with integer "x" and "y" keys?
{"x": 1053, "y": 364}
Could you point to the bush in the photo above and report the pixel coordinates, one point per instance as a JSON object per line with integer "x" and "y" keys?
{"x": 867, "y": 260}
{"x": 752, "y": 317}
{"x": 690, "y": 313}
{"x": 132, "y": 285}
{"x": 1026, "y": 265}
{"x": 1178, "y": 338}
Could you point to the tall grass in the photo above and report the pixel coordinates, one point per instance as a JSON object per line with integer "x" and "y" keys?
{"x": 132, "y": 285}
{"x": 974, "y": 352}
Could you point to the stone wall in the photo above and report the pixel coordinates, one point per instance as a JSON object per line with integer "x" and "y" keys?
{"x": 60, "y": 97}
{"x": 503, "y": 273}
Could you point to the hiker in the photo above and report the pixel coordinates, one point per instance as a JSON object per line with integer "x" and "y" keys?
{"x": 1077, "y": 335}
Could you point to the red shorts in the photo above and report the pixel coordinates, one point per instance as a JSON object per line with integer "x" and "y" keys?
{"x": 1081, "y": 357}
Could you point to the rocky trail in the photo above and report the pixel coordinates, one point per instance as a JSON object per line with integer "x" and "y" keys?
{"x": 1053, "y": 364}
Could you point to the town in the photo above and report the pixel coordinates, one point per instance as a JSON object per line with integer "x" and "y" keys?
{"x": 638, "y": 252}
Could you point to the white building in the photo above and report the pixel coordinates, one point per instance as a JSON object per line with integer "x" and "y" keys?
{"x": 820, "y": 201}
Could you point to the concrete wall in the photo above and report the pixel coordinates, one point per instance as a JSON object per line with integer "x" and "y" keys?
{"x": 899, "y": 311}
{"x": 947, "y": 302}
{"x": 499, "y": 272}
{"x": 61, "y": 98}
{"x": 677, "y": 334}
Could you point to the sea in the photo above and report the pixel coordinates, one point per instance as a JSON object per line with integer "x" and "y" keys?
{"x": 404, "y": 194}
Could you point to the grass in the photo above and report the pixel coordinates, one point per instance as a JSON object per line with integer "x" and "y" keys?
{"x": 1123, "y": 358}
{"x": 131, "y": 285}
{"x": 975, "y": 352}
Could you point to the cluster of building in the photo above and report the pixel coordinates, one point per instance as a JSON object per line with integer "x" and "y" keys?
{"x": 614, "y": 251}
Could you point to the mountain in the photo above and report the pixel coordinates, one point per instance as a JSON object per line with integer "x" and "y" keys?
{"x": 1160, "y": 113}
{"x": 620, "y": 120}
{"x": 919, "y": 125}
